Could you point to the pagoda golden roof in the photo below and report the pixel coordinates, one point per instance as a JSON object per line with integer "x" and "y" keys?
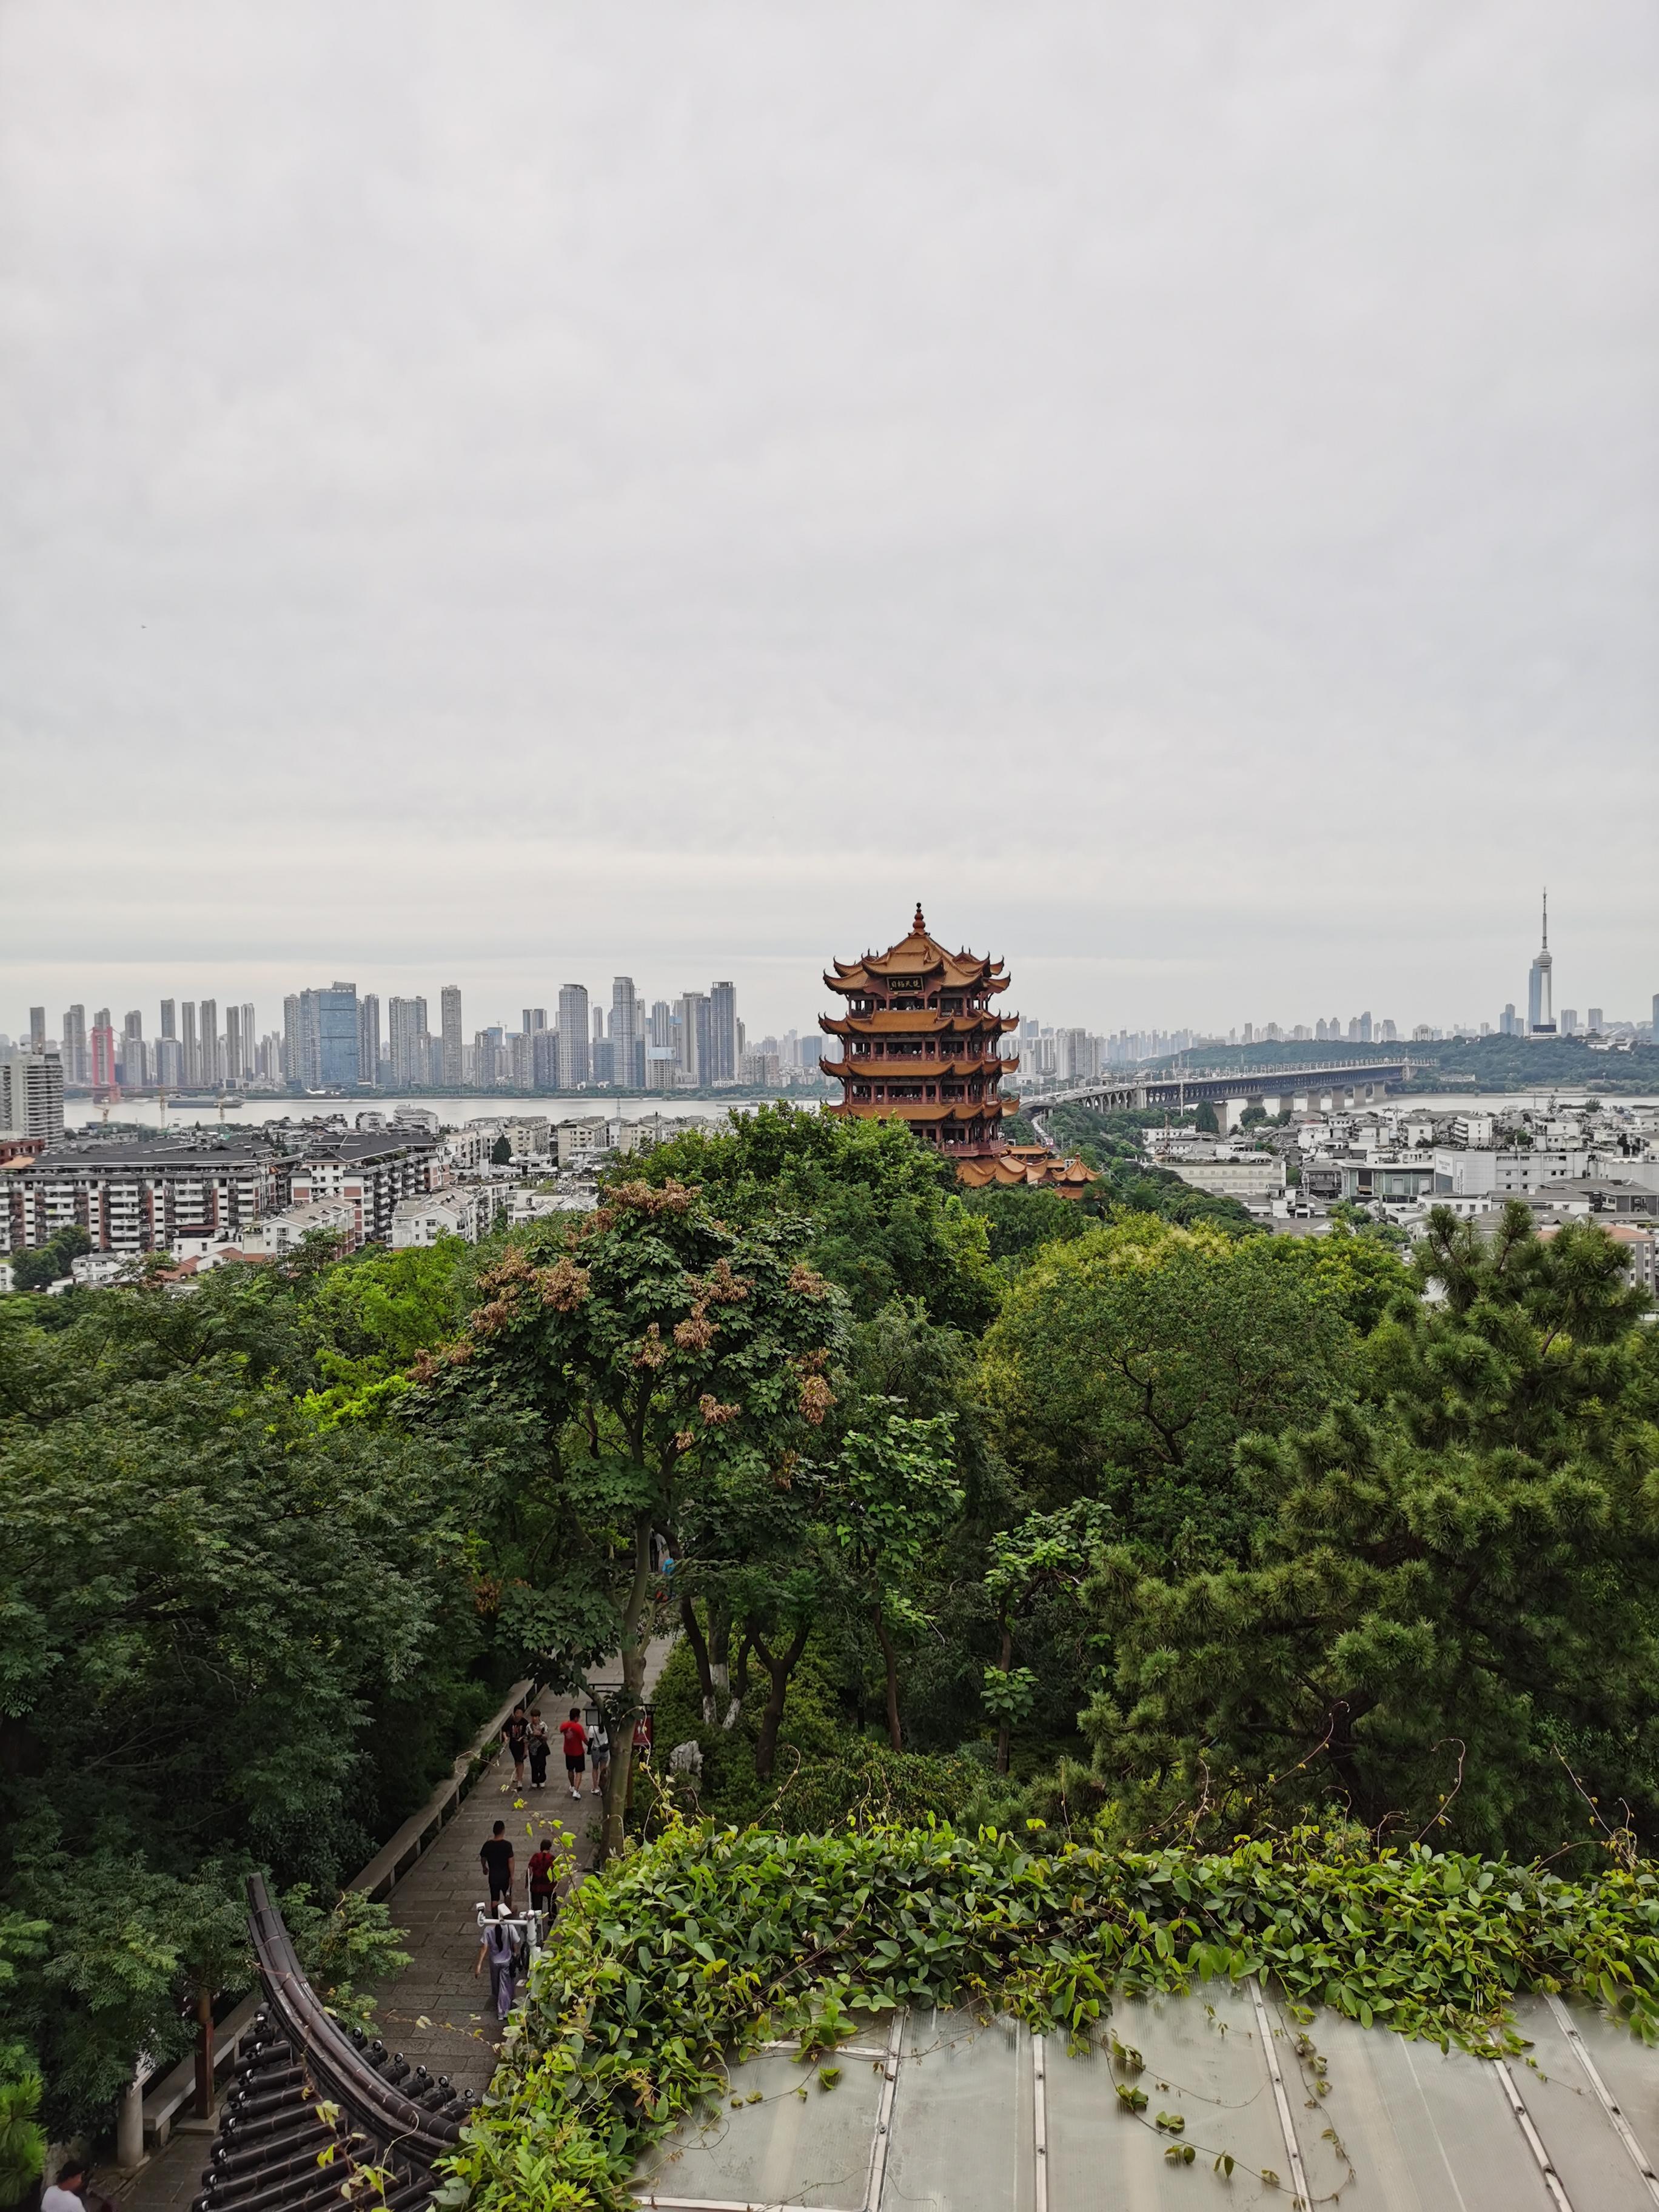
{"x": 922, "y": 957}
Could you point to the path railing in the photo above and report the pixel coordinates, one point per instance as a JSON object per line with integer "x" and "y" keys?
{"x": 150, "y": 2109}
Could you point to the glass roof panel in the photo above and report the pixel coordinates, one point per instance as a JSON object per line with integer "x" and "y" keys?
{"x": 1584, "y": 2149}
{"x": 1423, "y": 2129}
{"x": 963, "y": 2136}
{"x": 1629, "y": 2069}
{"x": 1203, "y": 2061}
{"x": 801, "y": 2144}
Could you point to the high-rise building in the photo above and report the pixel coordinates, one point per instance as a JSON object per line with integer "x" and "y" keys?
{"x": 37, "y": 1029}
{"x": 74, "y": 1050}
{"x": 627, "y": 1044}
{"x": 368, "y": 1037}
{"x": 192, "y": 1044}
{"x": 169, "y": 1027}
{"x": 169, "y": 1063}
{"x": 576, "y": 1052}
{"x": 132, "y": 1068}
{"x": 1540, "y": 1017}
{"x": 250, "y": 1032}
{"x": 1569, "y": 1021}
{"x": 338, "y": 1066}
{"x": 293, "y": 1039}
{"x": 1507, "y": 1024}
{"x": 32, "y": 1092}
{"x": 455, "y": 1069}
{"x": 723, "y": 1040}
{"x": 544, "y": 1058}
{"x": 535, "y": 1018}
{"x": 235, "y": 1067}
{"x": 1596, "y": 1021}
{"x": 103, "y": 1050}
{"x": 213, "y": 1064}
{"x": 408, "y": 1040}
{"x": 695, "y": 1050}
{"x": 659, "y": 1031}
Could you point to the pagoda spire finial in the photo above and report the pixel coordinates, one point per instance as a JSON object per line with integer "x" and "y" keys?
{"x": 919, "y": 928}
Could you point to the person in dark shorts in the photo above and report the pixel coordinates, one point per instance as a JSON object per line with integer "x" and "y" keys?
{"x": 575, "y": 1749}
{"x": 518, "y": 1739}
{"x": 496, "y": 1859}
{"x": 540, "y": 1745}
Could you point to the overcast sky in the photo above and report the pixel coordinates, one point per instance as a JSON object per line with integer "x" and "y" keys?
{"x": 507, "y": 493}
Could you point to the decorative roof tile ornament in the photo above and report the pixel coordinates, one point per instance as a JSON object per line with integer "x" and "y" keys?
{"x": 321, "y": 2114}
{"x": 922, "y": 1043}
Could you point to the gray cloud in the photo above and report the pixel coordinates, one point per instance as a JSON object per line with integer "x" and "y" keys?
{"x": 519, "y": 492}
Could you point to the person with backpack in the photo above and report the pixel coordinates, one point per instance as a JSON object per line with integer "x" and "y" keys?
{"x": 500, "y": 1947}
{"x": 539, "y": 1747}
{"x": 575, "y": 1750}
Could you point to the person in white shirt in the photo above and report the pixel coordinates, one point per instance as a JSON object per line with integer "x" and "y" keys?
{"x": 65, "y": 2195}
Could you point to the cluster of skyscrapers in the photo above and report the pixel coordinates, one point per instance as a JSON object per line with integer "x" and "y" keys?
{"x": 333, "y": 1040}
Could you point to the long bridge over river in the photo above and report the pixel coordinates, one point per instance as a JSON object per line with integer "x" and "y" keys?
{"x": 1341, "y": 1081}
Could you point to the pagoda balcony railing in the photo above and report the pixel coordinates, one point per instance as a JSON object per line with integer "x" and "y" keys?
{"x": 909, "y": 1063}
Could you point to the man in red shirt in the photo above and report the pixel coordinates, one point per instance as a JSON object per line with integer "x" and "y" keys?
{"x": 575, "y": 1750}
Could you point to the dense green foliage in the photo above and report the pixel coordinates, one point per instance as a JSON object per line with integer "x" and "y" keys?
{"x": 226, "y": 1638}
{"x": 985, "y": 1509}
{"x": 881, "y": 1211}
{"x": 1111, "y": 1142}
{"x": 699, "y": 1949}
{"x": 1452, "y": 1588}
{"x": 1128, "y": 1363}
{"x": 50, "y": 1262}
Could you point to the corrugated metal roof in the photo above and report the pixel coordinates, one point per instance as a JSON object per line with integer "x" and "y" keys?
{"x": 944, "y": 2113}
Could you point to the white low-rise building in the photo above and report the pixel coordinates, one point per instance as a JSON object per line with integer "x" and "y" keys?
{"x": 277, "y": 1234}
{"x": 1247, "y": 1177}
{"x": 469, "y": 1211}
{"x": 1470, "y": 1172}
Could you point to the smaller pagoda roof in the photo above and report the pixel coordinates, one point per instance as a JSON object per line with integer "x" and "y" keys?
{"x": 1031, "y": 1166}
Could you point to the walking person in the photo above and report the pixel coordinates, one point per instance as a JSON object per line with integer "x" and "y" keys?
{"x": 642, "y": 1740}
{"x": 540, "y": 1745}
{"x": 544, "y": 1877}
{"x": 517, "y": 1737}
{"x": 575, "y": 1750}
{"x": 598, "y": 1753}
{"x": 495, "y": 1857}
{"x": 500, "y": 1947}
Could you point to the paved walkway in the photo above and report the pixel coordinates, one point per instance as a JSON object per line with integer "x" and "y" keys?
{"x": 436, "y": 2012}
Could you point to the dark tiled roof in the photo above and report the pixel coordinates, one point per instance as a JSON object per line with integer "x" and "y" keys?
{"x": 316, "y": 2103}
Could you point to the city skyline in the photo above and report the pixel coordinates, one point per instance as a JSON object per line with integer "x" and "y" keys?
{"x": 443, "y": 1012}
{"x": 1199, "y": 486}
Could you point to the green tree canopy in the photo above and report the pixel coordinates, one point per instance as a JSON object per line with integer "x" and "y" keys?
{"x": 1450, "y": 1613}
{"x": 881, "y": 1211}
{"x": 1127, "y": 1364}
{"x": 647, "y": 1352}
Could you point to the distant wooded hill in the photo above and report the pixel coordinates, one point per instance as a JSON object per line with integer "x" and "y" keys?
{"x": 1493, "y": 1063}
